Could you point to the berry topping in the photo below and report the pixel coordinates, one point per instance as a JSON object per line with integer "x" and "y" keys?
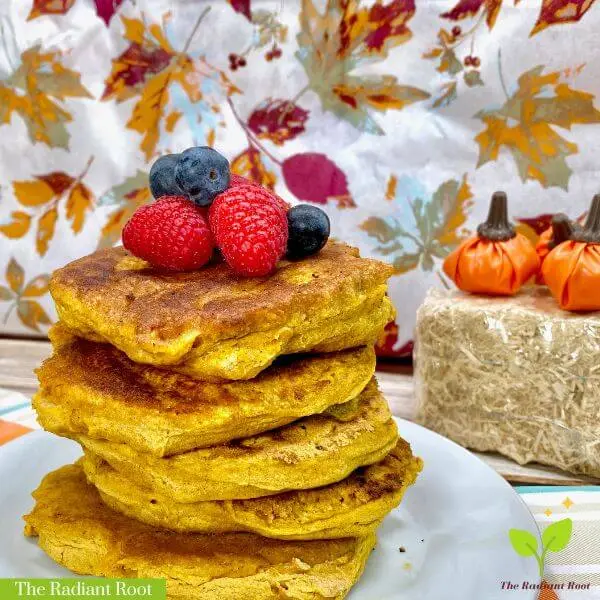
{"x": 236, "y": 180}
{"x": 456, "y": 31}
{"x": 309, "y": 230}
{"x": 162, "y": 177}
{"x": 250, "y": 227}
{"x": 172, "y": 233}
{"x": 202, "y": 173}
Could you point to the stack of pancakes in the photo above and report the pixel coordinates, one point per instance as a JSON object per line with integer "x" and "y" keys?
{"x": 235, "y": 441}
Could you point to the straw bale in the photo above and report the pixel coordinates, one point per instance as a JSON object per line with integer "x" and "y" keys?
{"x": 513, "y": 375}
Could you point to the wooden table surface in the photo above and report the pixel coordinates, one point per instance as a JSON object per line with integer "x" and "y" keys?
{"x": 19, "y": 357}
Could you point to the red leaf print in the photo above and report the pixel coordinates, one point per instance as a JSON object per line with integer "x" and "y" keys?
{"x": 242, "y": 7}
{"x": 385, "y": 347}
{"x": 277, "y": 120}
{"x": 312, "y": 177}
{"x": 49, "y": 7}
{"x": 539, "y": 224}
{"x": 554, "y": 12}
{"x": 134, "y": 65}
{"x": 469, "y": 8}
{"x": 105, "y": 9}
{"x": 390, "y": 22}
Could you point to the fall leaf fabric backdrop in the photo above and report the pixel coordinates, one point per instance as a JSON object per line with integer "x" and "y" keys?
{"x": 398, "y": 117}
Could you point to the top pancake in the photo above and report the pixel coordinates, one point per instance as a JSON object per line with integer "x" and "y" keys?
{"x": 213, "y": 324}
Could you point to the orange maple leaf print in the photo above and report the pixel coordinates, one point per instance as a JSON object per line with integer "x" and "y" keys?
{"x": 526, "y": 125}
{"x": 338, "y": 40}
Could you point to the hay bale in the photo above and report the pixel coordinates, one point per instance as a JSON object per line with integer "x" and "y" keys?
{"x": 514, "y": 375}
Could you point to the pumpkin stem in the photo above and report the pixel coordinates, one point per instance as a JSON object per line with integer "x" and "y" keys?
{"x": 497, "y": 227}
{"x": 562, "y": 230}
{"x": 590, "y": 232}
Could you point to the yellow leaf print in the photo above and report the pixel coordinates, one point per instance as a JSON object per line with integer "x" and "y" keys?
{"x": 35, "y": 92}
{"x": 525, "y": 125}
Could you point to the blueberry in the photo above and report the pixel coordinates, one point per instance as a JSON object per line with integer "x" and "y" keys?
{"x": 309, "y": 229}
{"x": 202, "y": 173}
{"x": 162, "y": 177}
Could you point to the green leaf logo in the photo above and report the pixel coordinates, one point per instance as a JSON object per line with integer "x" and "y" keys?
{"x": 556, "y": 536}
{"x": 524, "y": 543}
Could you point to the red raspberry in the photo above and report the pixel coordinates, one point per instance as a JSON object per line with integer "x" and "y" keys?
{"x": 237, "y": 180}
{"x": 171, "y": 233}
{"x": 250, "y": 227}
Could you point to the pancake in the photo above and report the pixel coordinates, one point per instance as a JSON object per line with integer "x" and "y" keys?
{"x": 312, "y": 452}
{"x": 213, "y": 324}
{"x": 352, "y": 507}
{"x": 94, "y": 389}
{"x": 80, "y": 532}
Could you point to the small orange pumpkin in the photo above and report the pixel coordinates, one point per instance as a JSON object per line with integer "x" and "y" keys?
{"x": 557, "y": 233}
{"x": 498, "y": 260}
{"x": 572, "y": 269}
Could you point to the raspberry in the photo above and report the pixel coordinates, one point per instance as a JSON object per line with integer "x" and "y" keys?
{"x": 250, "y": 227}
{"x": 237, "y": 180}
{"x": 172, "y": 233}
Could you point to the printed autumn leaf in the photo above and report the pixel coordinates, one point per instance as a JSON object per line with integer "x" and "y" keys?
{"x": 436, "y": 228}
{"x": 385, "y": 345}
{"x": 147, "y": 70}
{"x": 125, "y": 198}
{"x": 49, "y": 7}
{"x": 35, "y": 92}
{"x": 554, "y": 12}
{"x": 105, "y": 9}
{"x": 270, "y": 30}
{"x": 242, "y": 7}
{"x": 250, "y": 164}
{"x": 18, "y": 226}
{"x": 533, "y": 227}
{"x": 537, "y": 224}
{"x": 15, "y": 276}
{"x": 469, "y": 8}
{"x": 447, "y": 96}
{"x": 145, "y": 56}
{"x": 172, "y": 120}
{"x": 390, "y": 190}
{"x": 29, "y": 311}
{"x": 45, "y": 192}
{"x": 473, "y": 78}
{"x": 45, "y": 230}
{"x": 277, "y": 120}
{"x": 524, "y": 125}
{"x": 342, "y": 38}
{"x": 313, "y": 177}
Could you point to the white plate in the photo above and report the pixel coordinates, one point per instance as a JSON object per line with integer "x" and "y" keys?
{"x": 453, "y": 524}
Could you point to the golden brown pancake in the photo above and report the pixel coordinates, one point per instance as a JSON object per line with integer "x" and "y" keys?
{"x": 80, "y": 532}
{"x": 352, "y": 507}
{"x": 312, "y": 452}
{"x": 94, "y": 389}
{"x": 213, "y": 324}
